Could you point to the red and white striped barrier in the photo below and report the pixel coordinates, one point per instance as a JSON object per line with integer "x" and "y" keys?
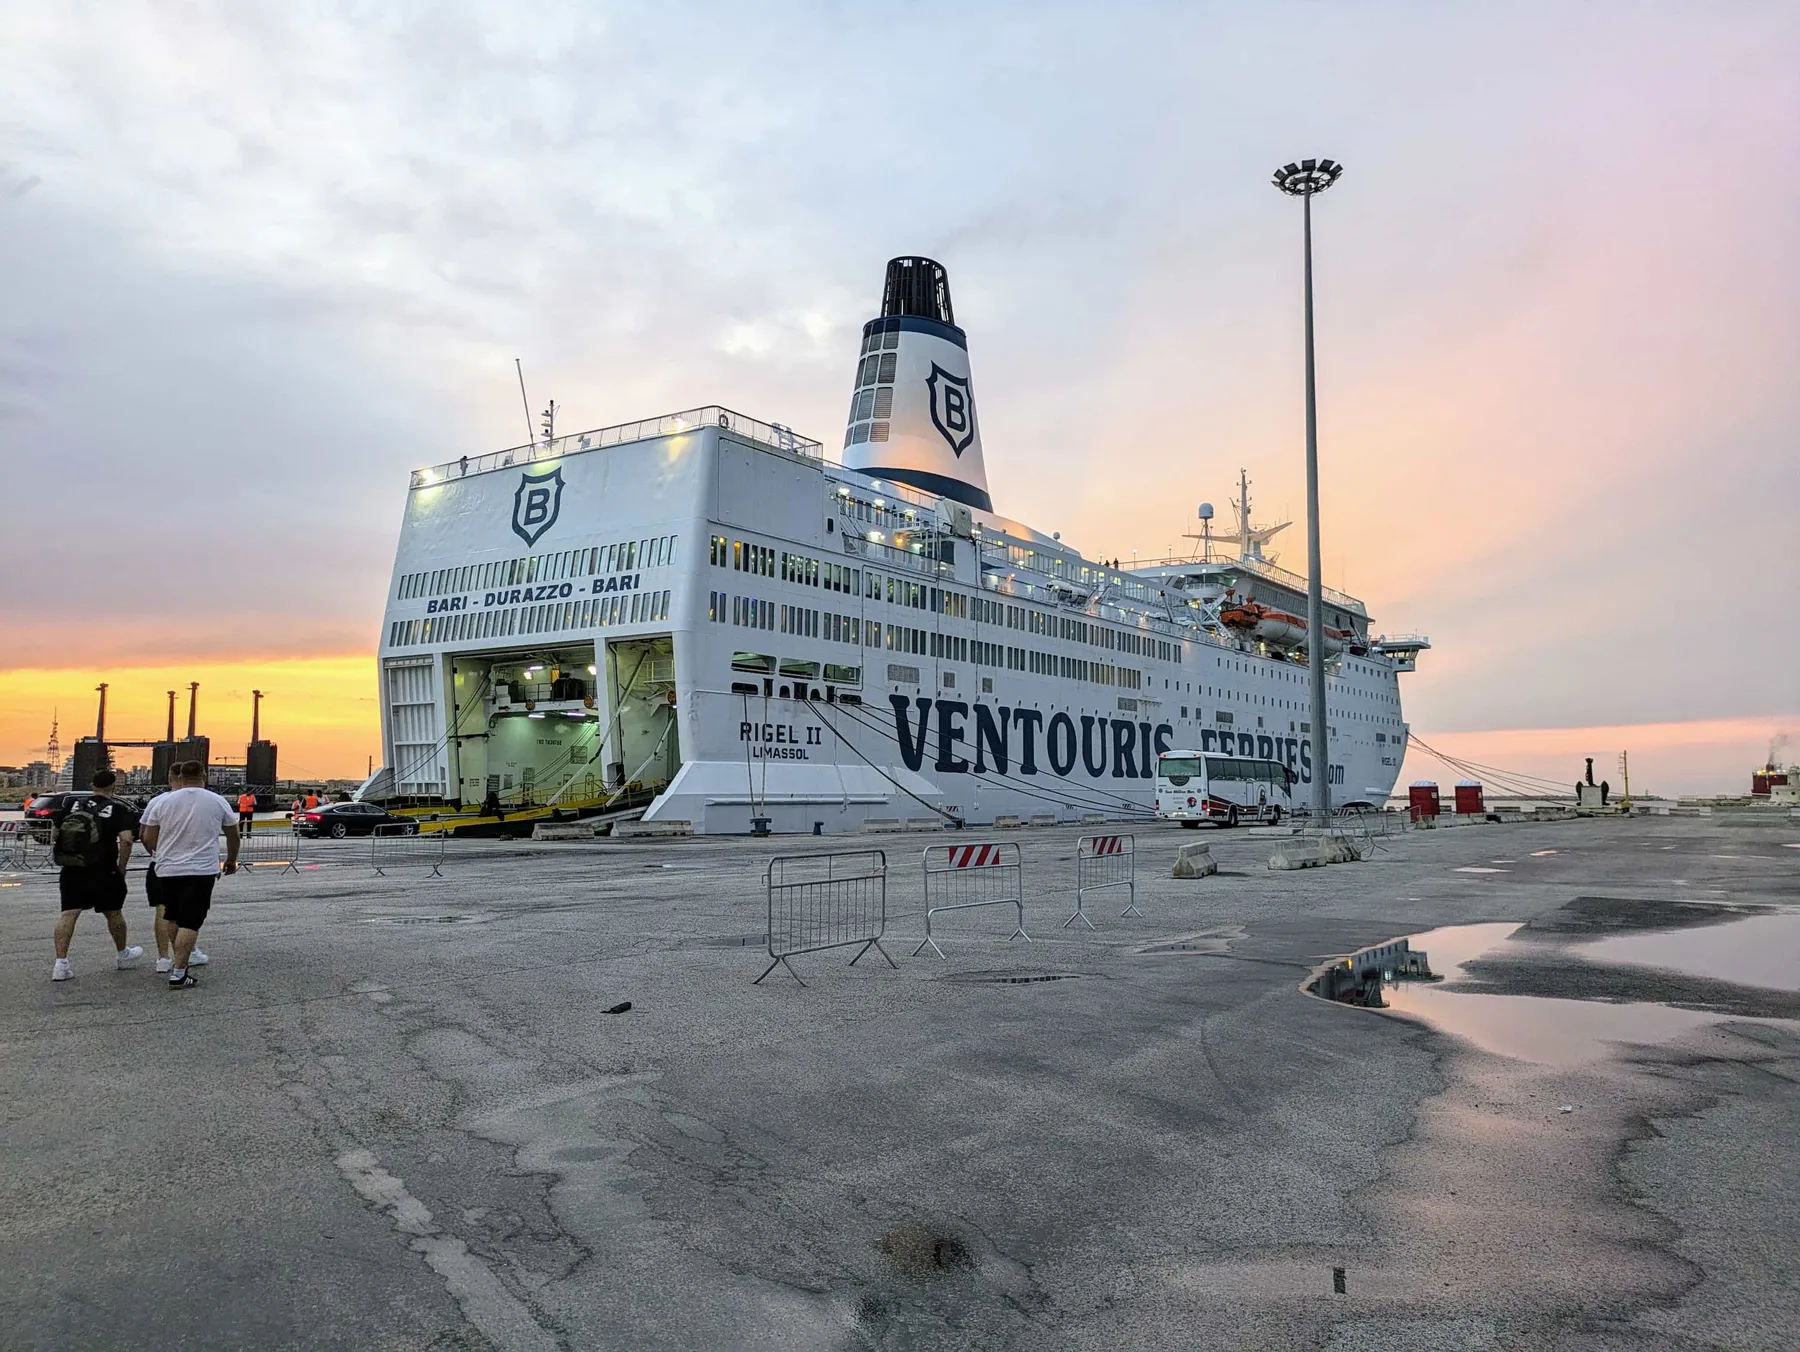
{"x": 1102, "y": 862}
{"x": 962, "y": 877}
{"x": 974, "y": 856}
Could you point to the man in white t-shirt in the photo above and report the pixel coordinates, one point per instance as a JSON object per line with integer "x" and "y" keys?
{"x": 183, "y": 826}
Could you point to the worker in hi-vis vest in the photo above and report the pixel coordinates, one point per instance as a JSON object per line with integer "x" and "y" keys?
{"x": 246, "y": 810}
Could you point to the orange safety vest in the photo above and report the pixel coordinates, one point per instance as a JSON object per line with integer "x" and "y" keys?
{"x": 246, "y": 802}
{"x": 312, "y": 800}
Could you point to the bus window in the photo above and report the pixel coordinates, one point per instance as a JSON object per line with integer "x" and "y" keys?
{"x": 1178, "y": 769}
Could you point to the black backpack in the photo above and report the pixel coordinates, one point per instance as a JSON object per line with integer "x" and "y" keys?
{"x": 78, "y": 837}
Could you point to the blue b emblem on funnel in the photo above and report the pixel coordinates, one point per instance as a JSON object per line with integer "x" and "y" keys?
{"x": 536, "y": 504}
{"x": 952, "y": 407}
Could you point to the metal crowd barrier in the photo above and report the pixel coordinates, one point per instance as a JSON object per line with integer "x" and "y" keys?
{"x": 401, "y": 846}
{"x": 1103, "y": 862}
{"x": 270, "y": 847}
{"x": 962, "y": 877}
{"x": 821, "y": 901}
{"x": 26, "y": 846}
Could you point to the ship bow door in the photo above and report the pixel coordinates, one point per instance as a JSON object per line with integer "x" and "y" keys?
{"x": 643, "y": 745}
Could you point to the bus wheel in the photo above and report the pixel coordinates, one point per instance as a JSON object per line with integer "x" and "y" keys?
{"x": 1231, "y": 821}
{"x": 1275, "y": 815}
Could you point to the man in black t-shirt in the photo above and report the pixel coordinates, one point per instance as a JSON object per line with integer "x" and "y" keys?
{"x": 91, "y": 839}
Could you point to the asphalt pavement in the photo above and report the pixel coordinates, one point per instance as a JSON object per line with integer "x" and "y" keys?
{"x": 397, "y": 1113}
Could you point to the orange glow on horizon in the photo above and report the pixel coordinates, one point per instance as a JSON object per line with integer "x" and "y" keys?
{"x": 320, "y": 711}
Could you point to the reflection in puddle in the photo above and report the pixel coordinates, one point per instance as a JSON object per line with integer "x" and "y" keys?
{"x": 1759, "y": 950}
{"x": 1529, "y": 1028}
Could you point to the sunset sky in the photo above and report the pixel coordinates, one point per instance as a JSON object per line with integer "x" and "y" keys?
{"x": 256, "y": 262}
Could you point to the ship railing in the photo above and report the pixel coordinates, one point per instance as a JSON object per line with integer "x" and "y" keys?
{"x": 774, "y": 435}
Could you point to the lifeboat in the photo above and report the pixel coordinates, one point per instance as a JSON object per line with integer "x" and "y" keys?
{"x": 1278, "y": 628}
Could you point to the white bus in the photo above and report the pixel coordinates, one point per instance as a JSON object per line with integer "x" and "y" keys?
{"x": 1194, "y": 787}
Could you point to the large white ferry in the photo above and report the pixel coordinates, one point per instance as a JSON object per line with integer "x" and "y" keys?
{"x": 702, "y": 619}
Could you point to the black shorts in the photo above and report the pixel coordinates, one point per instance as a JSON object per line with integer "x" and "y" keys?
{"x": 152, "y": 886}
{"x": 186, "y": 901}
{"x": 91, "y": 889}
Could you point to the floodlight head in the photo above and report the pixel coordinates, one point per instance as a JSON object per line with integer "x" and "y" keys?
{"x": 1307, "y": 177}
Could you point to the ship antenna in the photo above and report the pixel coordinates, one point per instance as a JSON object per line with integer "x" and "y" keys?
{"x": 1243, "y": 504}
{"x": 530, "y": 432}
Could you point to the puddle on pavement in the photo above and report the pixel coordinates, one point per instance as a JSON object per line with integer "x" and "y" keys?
{"x": 1542, "y": 1029}
{"x": 1761, "y": 950}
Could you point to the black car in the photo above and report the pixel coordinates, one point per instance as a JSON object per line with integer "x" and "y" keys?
{"x": 46, "y": 803}
{"x": 338, "y": 820}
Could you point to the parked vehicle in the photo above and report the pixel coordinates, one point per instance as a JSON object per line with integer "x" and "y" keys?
{"x": 338, "y": 820}
{"x": 1192, "y": 787}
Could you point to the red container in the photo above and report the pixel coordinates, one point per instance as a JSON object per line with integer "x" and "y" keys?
{"x": 1422, "y": 799}
{"x": 1468, "y": 798}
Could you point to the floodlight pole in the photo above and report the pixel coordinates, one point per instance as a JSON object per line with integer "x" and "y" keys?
{"x": 1303, "y": 180}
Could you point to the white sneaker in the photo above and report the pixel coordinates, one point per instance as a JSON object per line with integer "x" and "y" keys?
{"x": 62, "y": 971}
{"x": 128, "y": 956}
{"x": 198, "y": 959}
{"x": 164, "y": 964}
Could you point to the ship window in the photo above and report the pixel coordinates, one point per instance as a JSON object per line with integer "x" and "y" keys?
{"x": 878, "y": 431}
{"x": 753, "y": 662}
{"x": 891, "y": 339}
{"x": 865, "y": 405}
{"x": 859, "y": 433}
{"x": 903, "y": 675}
{"x": 888, "y": 362}
{"x": 884, "y": 401}
{"x": 793, "y": 666}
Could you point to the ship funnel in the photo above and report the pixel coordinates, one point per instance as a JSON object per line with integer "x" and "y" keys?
{"x": 912, "y": 418}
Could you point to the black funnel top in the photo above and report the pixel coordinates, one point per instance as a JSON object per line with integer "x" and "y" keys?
{"x": 919, "y": 287}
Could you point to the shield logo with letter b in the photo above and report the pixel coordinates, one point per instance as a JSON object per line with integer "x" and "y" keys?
{"x": 952, "y": 407}
{"x": 536, "y": 504}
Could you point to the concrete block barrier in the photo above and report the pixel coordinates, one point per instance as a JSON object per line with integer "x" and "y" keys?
{"x": 1339, "y": 850}
{"x": 1008, "y": 820}
{"x": 882, "y": 825}
{"x": 1194, "y": 861}
{"x": 660, "y": 828}
{"x": 924, "y": 823}
{"x": 1042, "y": 819}
{"x": 1305, "y": 852}
{"x": 563, "y": 831}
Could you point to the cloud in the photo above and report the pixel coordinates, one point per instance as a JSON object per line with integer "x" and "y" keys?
{"x": 260, "y": 262}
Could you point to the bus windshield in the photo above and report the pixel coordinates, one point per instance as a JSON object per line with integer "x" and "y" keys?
{"x": 1178, "y": 769}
